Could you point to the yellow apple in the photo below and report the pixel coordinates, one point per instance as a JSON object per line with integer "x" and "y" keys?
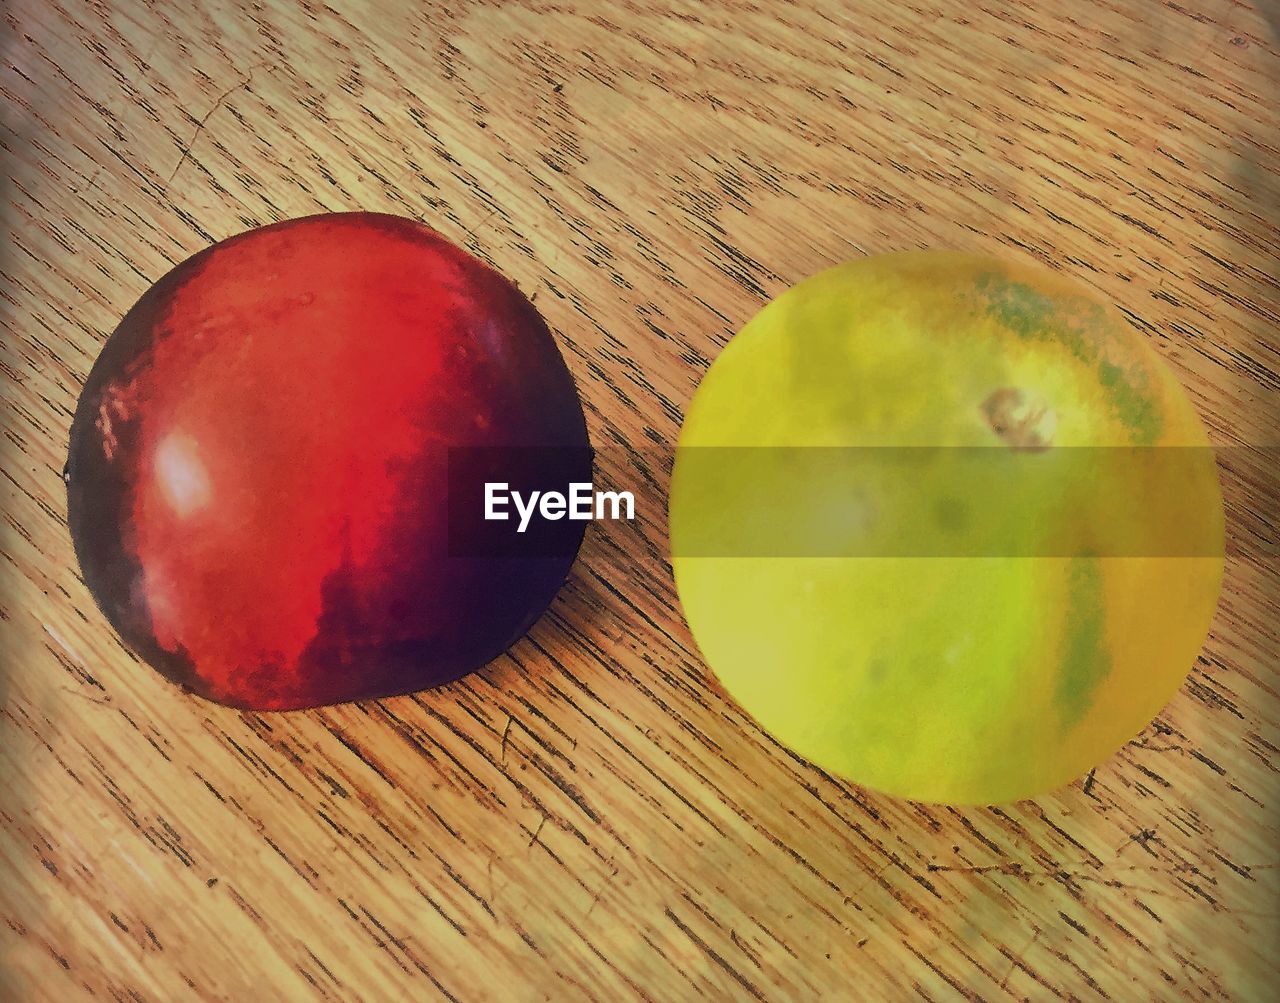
{"x": 947, "y": 526}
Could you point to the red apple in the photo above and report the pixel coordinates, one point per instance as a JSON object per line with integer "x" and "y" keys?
{"x": 265, "y": 456}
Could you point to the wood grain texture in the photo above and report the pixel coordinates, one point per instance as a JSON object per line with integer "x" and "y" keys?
{"x": 590, "y": 816}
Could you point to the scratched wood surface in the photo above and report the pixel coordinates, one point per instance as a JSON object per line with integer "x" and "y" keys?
{"x": 590, "y": 816}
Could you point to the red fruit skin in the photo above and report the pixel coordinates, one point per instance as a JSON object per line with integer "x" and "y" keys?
{"x": 258, "y": 465}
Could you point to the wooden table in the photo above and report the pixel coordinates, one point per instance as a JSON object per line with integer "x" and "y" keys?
{"x": 590, "y": 816}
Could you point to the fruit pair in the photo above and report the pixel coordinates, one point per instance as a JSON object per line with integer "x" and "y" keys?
{"x": 276, "y": 466}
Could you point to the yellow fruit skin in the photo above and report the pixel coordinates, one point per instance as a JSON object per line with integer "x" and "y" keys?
{"x": 962, "y": 678}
